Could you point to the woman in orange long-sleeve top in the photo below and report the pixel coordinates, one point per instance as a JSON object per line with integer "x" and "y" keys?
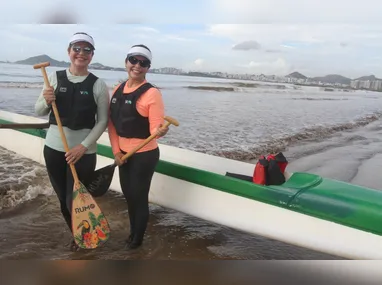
{"x": 136, "y": 112}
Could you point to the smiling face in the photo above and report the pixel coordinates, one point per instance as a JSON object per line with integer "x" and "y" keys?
{"x": 80, "y": 54}
{"x": 135, "y": 69}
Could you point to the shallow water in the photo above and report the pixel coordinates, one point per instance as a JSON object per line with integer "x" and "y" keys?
{"x": 254, "y": 118}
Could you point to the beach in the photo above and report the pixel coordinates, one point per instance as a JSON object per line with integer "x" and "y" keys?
{"x": 333, "y": 134}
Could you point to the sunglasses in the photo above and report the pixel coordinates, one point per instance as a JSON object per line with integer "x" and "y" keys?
{"x": 144, "y": 63}
{"x": 78, "y": 49}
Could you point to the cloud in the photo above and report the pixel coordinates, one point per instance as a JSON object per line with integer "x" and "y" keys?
{"x": 247, "y": 45}
{"x": 199, "y": 62}
{"x": 145, "y": 29}
{"x": 287, "y": 46}
{"x": 110, "y": 12}
{"x": 178, "y": 38}
{"x": 276, "y": 67}
{"x": 312, "y": 49}
{"x": 272, "y": 50}
{"x": 60, "y": 17}
{"x": 342, "y": 44}
{"x": 297, "y": 11}
{"x": 316, "y": 37}
{"x": 315, "y": 48}
{"x": 296, "y": 35}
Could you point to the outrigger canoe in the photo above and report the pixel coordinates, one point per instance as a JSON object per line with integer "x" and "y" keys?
{"x": 308, "y": 210}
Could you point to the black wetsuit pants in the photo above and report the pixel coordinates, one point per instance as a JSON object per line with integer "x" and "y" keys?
{"x": 135, "y": 178}
{"x": 61, "y": 177}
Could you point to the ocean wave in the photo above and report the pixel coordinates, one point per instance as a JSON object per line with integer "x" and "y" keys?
{"x": 30, "y": 85}
{"x": 321, "y": 99}
{"x": 20, "y": 180}
{"x": 21, "y": 75}
{"x": 281, "y": 144}
{"x": 212, "y": 88}
{"x": 10, "y": 84}
{"x": 237, "y": 87}
{"x": 258, "y": 85}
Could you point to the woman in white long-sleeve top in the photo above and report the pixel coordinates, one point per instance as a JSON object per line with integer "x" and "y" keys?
{"x": 82, "y": 100}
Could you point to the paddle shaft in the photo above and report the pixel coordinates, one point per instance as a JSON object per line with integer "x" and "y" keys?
{"x": 145, "y": 142}
{"x": 59, "y": 124}
{"x": 103, "y": 177}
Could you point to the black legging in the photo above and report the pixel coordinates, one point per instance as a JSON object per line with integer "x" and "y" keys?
{"x": 61, "y": 177}
{"x": 135, "y": 178}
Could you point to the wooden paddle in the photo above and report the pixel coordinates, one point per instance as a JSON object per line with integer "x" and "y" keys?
{"x": 103, "y": 176}
{"x": 89, "y": 225}
{"x": 25, "y": 126}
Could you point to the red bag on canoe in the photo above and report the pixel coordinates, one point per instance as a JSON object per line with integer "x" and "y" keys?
{"x": 260, "y": 172}
{"x": 270, "y": 170}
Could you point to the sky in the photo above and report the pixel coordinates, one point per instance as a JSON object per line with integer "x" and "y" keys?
{"x": 269, "y": 37}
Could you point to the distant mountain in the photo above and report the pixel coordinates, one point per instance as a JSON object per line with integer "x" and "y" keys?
{"x": 43, "y": 58}
{"x": 100, "y": 66}
{"x": 366, "y": 78}
{"x": 332, "y": 79}
{"x": 329, "y": 79}
{"x": 296, "y": 75}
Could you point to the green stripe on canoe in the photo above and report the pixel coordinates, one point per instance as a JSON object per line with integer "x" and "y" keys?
{"x": 331, "y": 200}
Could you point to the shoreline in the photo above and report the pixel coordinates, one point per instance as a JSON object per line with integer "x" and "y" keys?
{"x": 229, "y": 77}
{"x": 353, "y": 156}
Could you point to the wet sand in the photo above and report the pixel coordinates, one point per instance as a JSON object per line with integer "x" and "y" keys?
{"x": 353, "y": 156}
{"x": 35, "y": 230}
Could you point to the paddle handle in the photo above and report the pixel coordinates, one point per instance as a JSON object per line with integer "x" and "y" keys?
{"x": 58, "y": 120}
{"x": 170, "y": 121}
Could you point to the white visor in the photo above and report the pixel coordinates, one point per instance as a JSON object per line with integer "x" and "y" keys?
{"x": 140, "y": 51}
{"x": 82, "y": 38}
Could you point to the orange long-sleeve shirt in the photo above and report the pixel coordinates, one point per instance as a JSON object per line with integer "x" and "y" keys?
{"x": 150, "y": 105}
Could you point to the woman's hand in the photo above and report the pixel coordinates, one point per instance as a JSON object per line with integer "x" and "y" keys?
{"x": 49, "y": 96}
{"x": 118, "y": 158}
{"x": 75, "y": 154}
{"x": 161, "y": 131}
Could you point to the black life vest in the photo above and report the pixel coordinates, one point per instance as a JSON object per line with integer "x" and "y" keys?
{"x": 124, "y": 115}
{"x": 270, "y": 170}
{"x": 75, "y": 102}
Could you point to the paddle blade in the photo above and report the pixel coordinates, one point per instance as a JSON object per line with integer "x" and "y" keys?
{"x": 90, "y": 226}
{"x": 101, "y": 181}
